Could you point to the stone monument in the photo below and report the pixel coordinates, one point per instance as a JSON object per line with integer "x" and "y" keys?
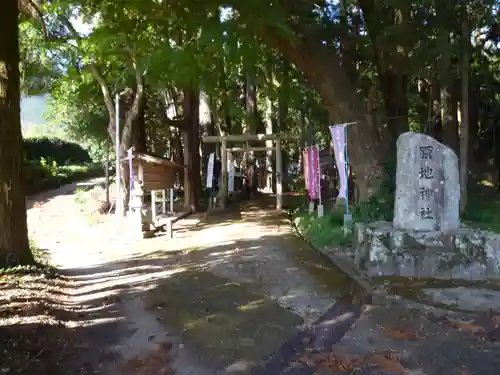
{"x": 427, "y": 185}
{"x": 426, "y": 238}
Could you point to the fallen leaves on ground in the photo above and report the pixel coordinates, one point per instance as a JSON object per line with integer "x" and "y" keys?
{"x": 400, "y": 334}
{"x": 35, "y": 339}
{"x": 465, "y": 326}
{"x": 490, "y": 322}
{"x": 486, "y": 326}
{"x": 332, "y": 361}
{"x": 388, "y": 361}
{"x": 157, "y": 362}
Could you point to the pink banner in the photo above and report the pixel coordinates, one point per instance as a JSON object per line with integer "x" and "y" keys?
{"x": 312, "y": 176}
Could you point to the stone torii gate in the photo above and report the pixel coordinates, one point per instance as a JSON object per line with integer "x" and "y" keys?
{"x": 240, "y": 138}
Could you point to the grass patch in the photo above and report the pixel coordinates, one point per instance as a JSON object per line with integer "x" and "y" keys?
{"x": 483, "y": 212}
{"x": 322, "y": 231}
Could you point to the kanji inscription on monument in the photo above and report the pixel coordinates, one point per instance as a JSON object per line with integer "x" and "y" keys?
{"x": 430, "y": 189}
{"x": 427, "y": 190}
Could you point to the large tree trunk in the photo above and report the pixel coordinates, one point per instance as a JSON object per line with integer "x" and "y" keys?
{"x": 449, "y": 117}
{"x": 391, "y": 61}
{"x": 464, "y": 104}
{"x": 348, "y": 40}
{"x": 283, "y": 108}
{"x": 434, "y": 116}
{"x": 14, "y": 243}
{"x": 446, "y": 76}
{"x": 128, "y": 128}
{"x": 251, "y": 122}
{"x": 321, "y": 66}
{"x": 423, "y": 104}
{"x": 139, "y": 140}
{"x": 192, "y": 178}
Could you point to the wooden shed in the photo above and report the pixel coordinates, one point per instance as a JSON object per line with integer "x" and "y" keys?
{"x": 149, "y": 174}
{"x": 152, "y": 172}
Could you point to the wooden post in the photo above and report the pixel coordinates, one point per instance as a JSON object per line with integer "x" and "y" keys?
{"x": 138, "y": 221}
{"x": 153, "y": 206}
{"x": 106, "y": 172}
{"x": 172, "y": 201}
{"x": 163, "y": 202}
{"x": 279, "y": 176}
{"x": 223, "y": 186}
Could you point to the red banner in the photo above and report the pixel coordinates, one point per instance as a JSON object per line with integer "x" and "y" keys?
{"x": 311, "y": 171}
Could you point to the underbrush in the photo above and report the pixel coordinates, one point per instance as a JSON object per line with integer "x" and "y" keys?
{"x": 45, "y": 175}
{"x": 322, "y": 231}
{"x": 483, "y": 212}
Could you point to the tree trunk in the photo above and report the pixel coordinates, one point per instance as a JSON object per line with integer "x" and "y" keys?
{"x": 347, "y": 41}
{"x": 268, "y": 120}
{"x": 449, "y": 118}
{"x": 394, "y": 88}
{"x": 207, "y": 128}
{"x": 423, "y": 104}
{"x": 391, "y": 60}
{"x": 283, "y": 108}
{"x": 283, "y": 96}
{"x": 321, "y": 66}
{"x": 250, "y": 124}
{"x": 127, "y": 127}
{"x": 464, "y": 104}
{"x": 192, "y": 178}
{"x": 474, "y": 110}
{"x": 14, "y": 243}
{"x": 139, "y": 140}
{"x": 434, "y": 116}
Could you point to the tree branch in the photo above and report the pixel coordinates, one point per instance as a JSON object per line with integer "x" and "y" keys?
{"x": 32, "y": 9}
{"x": 108, "y": 100}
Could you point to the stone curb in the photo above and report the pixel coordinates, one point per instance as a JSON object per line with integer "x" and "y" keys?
{"x": 346, "y": 266}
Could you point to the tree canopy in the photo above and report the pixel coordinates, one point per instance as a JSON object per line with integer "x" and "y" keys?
{"x": 260, "y": 66}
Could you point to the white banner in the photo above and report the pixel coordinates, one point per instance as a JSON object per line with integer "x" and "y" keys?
{"x": 339, "y": 145}
{"x": 210, "y": 170}
{"x": 230, "y": 177}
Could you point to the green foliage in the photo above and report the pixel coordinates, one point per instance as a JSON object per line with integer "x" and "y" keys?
{"x": 47, "y": 130}
{"x": 41, "y": 265}
{"x": 326, "y": 231}
{"x": 380, "y": 206}
{"x": 55, "y": 150}
{"x": 216, "y": 45}
{"x": 41, "y": 176}
{"x": 483, "y": 210}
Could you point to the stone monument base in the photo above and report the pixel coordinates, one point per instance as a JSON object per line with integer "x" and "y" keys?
{"x": 465, "y": 253}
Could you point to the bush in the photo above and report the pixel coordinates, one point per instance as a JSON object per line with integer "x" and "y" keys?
{"x": 322, "y": 231}
{"x": 54, "y": 149}
{"x": 42, "y": 176}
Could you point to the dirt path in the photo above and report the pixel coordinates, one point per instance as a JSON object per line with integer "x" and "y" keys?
{"x": 237, "y": 294}
{"x": 219, "y": 298}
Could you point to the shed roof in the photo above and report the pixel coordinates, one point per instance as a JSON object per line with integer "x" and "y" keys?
{"x": 149, "y": 158}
